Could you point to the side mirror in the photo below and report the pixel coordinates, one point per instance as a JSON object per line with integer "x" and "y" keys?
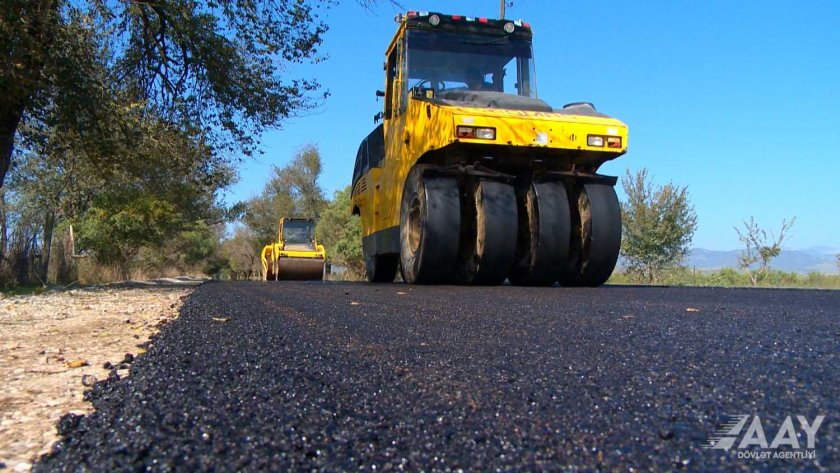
{"x": 380, "y": 93}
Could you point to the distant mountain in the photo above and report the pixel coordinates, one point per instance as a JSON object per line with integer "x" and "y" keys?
{"x": 822, "y": 250}
{"x": 821, "y": 260}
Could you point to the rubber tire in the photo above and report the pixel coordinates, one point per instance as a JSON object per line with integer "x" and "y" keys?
{"x": 596, "y": 241}
{"x": 430, "y": 256}
{"x": 381, "y": 268}
{"x": 546, "y": 236}
{"x": 488, "y": 233}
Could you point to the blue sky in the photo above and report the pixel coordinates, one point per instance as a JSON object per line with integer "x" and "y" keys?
{"x": 740, "y": 101}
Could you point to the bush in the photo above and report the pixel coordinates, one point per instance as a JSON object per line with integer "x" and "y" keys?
{"x": 659, "y": 222}
{"x": 728, "y": 277}
{"x": 341, "y": 234}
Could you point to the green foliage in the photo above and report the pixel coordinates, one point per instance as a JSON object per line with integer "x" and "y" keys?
{"x": 221, "y": 63}
{"x": 192, "y": 250}
{"x": 293, "y": 191}
{"x": 12, "y": 291}
{"x": 219, "y": 67}
{"x": 659, "y": 223}
{"x": 114, "y": 233}
{"x": 118, "y": 166}
{"x": 299, "y": 181}
{"x": 123, "y": 117}
{"x": 198, "y": 243}
{"x": 728, "y": 277}
{"x": 241, "y": 255}
{"x": 130, "y": 212}
{"x": 148, "y": 235}
{"x": 341, "y": 233}
{"x": 760, "y": 247}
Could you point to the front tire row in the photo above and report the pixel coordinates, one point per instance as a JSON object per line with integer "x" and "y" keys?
{"x": 480, "y": 231}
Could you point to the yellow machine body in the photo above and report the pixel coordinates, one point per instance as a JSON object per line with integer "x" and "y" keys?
{"x": 296, "y": 255}
{"x": 418, "y": 129}
{"x": 425, "y": 128}
{"x": 420, "y": 126}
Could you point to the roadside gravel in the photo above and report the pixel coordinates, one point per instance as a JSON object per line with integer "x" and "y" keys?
{"x": 56, "y": 345}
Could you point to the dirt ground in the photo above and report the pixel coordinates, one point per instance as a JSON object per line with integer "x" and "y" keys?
{"x": 54, "y": 346}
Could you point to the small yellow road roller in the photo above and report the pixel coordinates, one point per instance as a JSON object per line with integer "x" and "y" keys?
{"x": 296, "y": 255}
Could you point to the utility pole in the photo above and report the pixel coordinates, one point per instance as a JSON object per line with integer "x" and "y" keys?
{"x": 502, "y": 9}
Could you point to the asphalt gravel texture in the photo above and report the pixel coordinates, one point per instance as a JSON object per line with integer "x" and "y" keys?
{"x": 295, "y": 376}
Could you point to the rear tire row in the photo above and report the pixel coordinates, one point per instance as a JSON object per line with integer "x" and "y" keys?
{"x": 482, "y": 232}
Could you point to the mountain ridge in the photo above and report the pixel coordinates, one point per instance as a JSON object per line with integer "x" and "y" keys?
{"x": 817, "y": 259}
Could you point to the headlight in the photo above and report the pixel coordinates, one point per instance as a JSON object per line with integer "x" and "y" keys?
{"x": 598, "y": 141}
{"x": 485, "y": 133}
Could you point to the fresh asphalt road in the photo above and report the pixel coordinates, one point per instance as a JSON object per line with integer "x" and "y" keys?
{"x": 348, "y": 376}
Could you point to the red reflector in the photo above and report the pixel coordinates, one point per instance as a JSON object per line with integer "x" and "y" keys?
{"x": 411, "y": 14}
{"x": 464, "y": 132}
{"x": 526, "y": 25}
{"x": 614, "y": 142}
{"x": 482, "y": 20}
{"x": 456, "y": 17}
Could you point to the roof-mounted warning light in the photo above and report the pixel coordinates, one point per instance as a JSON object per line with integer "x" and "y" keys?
{"x": 436, "y": 19}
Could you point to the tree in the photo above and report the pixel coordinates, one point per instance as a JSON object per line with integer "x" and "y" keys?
{"x": 218, "y": 65}
{"x": 341, "y": 233}
{"x": 760, "y": 247}
{"x": 293, "y": 191}
{"x": 61, "y": 178}
{"x": 241, "y": 252}
{"x": 196, "y": 248}
{"x": 299, "y": 181}
{"x": 659, "y": 223}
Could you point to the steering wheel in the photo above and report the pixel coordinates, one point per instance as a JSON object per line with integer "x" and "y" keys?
{"x": 437, "y": 86}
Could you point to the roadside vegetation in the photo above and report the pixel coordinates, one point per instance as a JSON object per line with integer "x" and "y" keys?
{"x": 293, "y": 190}
{"x": 729, "y": 277}
{"x": 659, "y": 223}
{"x": 125, "y": 121}
{"x": 122, "y": 124}
{"x": 760, "y": 247}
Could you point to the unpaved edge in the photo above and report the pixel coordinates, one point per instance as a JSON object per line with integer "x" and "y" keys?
{"x": 45, "y": 338}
